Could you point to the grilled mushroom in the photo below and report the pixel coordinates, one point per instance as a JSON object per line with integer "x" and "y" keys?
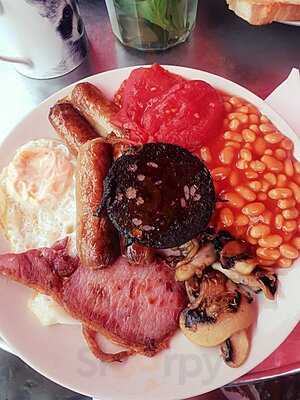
{"x": 196, "y": 263}
{"x": 213, "y": 246}
{"x": 235, "y": 350}
{"x": 192, "y": 287}
{"x": 175, "y": 255}
{"x": 247, "y": 292}
{"x": 234, "y": 253}
{"x": 189, "y": 250}
{"x": 219, "y": 239}
{"x": 268, "y": 281}
{"x": 217, "y": 313}
{"x": 258, "y": 280}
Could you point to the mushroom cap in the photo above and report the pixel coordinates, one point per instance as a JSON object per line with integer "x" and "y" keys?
{"x": 209, "y": 333}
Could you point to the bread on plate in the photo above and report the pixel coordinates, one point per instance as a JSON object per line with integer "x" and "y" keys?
{"x": 261, "y": 12}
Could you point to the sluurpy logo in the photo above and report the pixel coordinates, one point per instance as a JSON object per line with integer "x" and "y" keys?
{"x": 180, "y": 368}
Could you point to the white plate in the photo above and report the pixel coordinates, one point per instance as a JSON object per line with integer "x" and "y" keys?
{"x": 4, "y": 346}
{"x": 182, "y": 371}
{"x": 292, "y": 23}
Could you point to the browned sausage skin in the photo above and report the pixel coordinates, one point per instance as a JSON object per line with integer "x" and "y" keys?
{"x": 71, "y": 126}
{"x": 95, "y": 107}
{"x": 97, "y": 240}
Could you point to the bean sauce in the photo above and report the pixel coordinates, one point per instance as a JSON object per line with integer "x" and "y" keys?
{"x": 257, "y": 179}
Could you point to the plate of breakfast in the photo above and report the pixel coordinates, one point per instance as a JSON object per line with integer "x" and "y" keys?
{"x": 150, "y": 222}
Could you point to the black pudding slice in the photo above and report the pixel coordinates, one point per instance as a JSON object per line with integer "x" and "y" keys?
{"x": 159, "y": 195}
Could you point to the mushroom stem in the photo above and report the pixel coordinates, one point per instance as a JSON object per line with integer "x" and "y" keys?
{"x": 186, "y": 268}
{"x": 235, "y": 350}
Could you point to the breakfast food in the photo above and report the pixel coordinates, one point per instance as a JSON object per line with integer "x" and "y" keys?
{"x": 142, "y": 85}
{"x": 257, "y": 178}
{"x": 48, "y": 311}
{"x": 221, "y": 298}
{"x": 222, "y": 252}
{"x": 90, "y": 336}
{"x": 220, "y": 311}
{"x": 261, "y": 12}
{"x": 141, "y": 315}
{"x": 151, "y": 202}
{"x": 97, "y": 241}
{"x": 37, "y": 195}
{"x": 203, "y": 193}
{"x": 235, "y": 350}
{"x": 73, "y": 129}
{"x": 95, "y": 108}
{"x": 158, "y": 106}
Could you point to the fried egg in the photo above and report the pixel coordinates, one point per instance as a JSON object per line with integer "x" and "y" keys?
{"x": 37, "y": 207}
{"x": 48, "y": 311}
{"x": 37, "y": 195}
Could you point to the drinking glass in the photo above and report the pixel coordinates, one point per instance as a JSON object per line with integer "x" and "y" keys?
{"x": 152, "y": 24}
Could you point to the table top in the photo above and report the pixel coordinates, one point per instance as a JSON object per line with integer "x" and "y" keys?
{"x": 258, "y": 58}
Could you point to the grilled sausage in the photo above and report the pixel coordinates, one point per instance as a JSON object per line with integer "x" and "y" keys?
{"x": 95, "y": 107}
{"x": 119, "y": 149}
{"x": 71, "y": 126}
{"x": 97, "y": 240}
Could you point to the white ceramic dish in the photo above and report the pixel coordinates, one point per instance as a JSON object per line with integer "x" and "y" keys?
{"x": 292, "y": 23}
{"x": 5, "y": 347}
{"x": 184, "y": 370}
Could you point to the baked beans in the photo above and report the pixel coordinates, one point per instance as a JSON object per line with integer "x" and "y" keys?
{"x": 258, "y": 179}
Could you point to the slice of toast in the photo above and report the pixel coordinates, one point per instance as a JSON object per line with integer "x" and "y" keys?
{"x": 261, "y": 12}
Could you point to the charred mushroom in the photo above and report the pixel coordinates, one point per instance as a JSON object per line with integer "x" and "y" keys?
{"x": 245, "y": 266}
{"x": 235, "y": 350}
{"x": 268, "y": 282}
{"x": 219, "y": 239}
{"x": 186, "y": 268}
{"x": 219, "y": 311}
{"x": 234, "y": 253}
{"x": 258, "y": 280}
{"x": 177, "y": 254}
{"x": 192, "y": 287}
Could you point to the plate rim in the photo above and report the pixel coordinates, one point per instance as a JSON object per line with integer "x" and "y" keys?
{"x": 290, "y": 23}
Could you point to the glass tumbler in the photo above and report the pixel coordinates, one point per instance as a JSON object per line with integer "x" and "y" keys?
{"x": 152, "y": 24}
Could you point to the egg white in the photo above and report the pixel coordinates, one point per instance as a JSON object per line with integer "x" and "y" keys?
{"x": 37, "y": 195}
{"x": 48, "y": 311}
